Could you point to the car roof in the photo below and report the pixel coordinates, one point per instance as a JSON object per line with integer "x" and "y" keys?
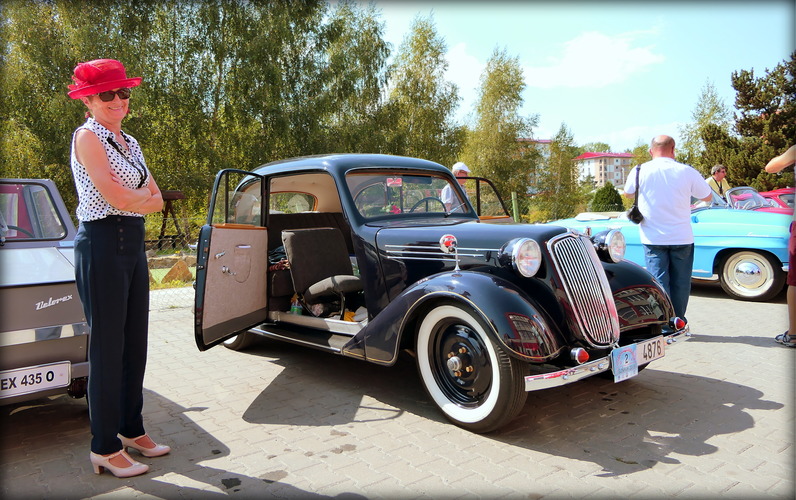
{"x": 339, "y": 164}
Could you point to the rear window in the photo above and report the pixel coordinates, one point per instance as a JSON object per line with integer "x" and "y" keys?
{"x": 28, "y": 212}
{"x": 292, "y": 203}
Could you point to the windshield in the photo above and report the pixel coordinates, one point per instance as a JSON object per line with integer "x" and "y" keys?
{"x": 28, "y": 212}
{"x": 388, "y": 194}
{"x": 745, "y": 199}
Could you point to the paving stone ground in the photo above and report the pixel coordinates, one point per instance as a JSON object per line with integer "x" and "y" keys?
{"x": 713, "y": 419}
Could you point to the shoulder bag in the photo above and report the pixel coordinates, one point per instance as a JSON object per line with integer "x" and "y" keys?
{"x": 634, "y": 214}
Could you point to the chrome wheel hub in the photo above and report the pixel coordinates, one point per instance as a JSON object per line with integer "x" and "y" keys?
{"x": 748, "y": 274}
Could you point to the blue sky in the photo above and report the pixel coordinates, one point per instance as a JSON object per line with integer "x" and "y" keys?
{"x": 661, "y": 55}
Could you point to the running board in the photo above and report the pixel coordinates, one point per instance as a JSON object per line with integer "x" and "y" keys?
{"x": 309, "y": 337}
{"x": 332, "y": 325}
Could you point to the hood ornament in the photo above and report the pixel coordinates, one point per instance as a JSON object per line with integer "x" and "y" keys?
{"x": 448, "y": 244}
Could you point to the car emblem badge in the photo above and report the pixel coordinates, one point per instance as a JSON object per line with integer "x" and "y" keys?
{"x": 448, "y": 244}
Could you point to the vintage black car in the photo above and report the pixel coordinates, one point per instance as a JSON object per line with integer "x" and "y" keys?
{"x": 358, "y": 255}
{"x": 43, "y": 331}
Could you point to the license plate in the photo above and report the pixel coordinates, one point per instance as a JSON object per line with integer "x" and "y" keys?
{"x": 650, "y": 350}
{"x": 626, "y": 360}
{"x": 34, "y": 379}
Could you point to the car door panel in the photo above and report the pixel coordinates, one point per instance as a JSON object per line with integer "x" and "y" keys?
{"x": 232, "y": 263}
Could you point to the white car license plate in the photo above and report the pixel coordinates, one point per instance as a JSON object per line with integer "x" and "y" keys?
{"x": 626, "y": 360}
{"x": 34, "y": 379}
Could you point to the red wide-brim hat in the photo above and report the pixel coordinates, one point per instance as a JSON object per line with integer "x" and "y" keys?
{"x": 99, "y": 75}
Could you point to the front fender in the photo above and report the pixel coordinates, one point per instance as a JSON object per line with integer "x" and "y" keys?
{"x": 640, "y": 299}
{"x": 517, "y": 322}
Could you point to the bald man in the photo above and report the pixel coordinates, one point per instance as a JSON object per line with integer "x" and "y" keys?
{"x": 664, "y": 197}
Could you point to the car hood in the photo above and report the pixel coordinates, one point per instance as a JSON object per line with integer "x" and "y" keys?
{"x": 731, "y": 216}
{"x": 36, "y": 266}
{"x": 735, "y": 216}
{"x": 474, "y": 237}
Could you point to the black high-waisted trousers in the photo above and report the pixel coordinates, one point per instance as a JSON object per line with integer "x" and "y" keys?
{"x": 113, "y": 283}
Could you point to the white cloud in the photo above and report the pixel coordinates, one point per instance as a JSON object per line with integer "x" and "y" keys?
{"x": 594, "y": 59}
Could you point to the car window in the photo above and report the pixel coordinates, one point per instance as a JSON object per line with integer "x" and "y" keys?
{"x": 390, "y": 194}
{"x": 292, "y": 203}
{"x": 238, "y": 200}
{"x": 746, "y": 199}
{"x": 482, "y": 194}
{"x": 28, "y": 212}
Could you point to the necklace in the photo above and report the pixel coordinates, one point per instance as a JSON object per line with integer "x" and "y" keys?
{"x": 132, "y": 161}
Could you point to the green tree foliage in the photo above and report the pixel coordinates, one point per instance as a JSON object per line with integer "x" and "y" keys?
{"x": 710, "y": 110}
{"x": 595, "y": 147}
{"x": 641, "y": 153}
{"x": 226, "y": 83}
{"x": 560, "y": 193}
{"x": 765, "y": 124}
{"x": 421, "y": 102}
{"x": 492, "y": 149}
{"x": 606, "y": 199}
{"x": 356, "y": 74}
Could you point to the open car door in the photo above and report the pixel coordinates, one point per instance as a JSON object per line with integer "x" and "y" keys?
{"x": 487, "y": 202}
{"x": 232, "y": 260}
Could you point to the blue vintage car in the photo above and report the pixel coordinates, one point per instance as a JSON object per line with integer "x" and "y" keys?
{"x": 746, "y": 250}
{"x": 358, "y": 256}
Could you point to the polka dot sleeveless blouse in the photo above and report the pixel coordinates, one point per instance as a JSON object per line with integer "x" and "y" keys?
{"x": 129, "y": 167}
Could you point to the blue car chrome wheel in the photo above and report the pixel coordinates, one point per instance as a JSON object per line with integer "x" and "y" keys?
{"x": 749, "y": 275}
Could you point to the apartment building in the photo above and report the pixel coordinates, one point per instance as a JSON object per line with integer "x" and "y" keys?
{"x": 604, "y": 167}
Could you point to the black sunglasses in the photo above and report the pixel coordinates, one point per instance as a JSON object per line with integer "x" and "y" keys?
{"x": 109, "y": 95}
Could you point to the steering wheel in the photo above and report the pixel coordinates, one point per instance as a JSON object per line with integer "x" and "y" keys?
{"x": 24, "y": 231}
{"x": 426, "y": 200}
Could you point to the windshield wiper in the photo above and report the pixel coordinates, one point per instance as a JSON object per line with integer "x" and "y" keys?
{"x": 457, "y": 207}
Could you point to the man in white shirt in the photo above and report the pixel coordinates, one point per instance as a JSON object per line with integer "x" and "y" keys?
{"x": 447, "y": 195}
{"x": 665, "y": 191}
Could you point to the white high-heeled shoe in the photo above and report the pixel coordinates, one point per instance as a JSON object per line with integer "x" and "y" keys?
{"x": 156, "y": 451}
{"x": 102, "y": 462}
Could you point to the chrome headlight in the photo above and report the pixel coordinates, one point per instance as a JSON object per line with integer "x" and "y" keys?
{"x": 523, "y": 255}
{"x": 610, "y": 245}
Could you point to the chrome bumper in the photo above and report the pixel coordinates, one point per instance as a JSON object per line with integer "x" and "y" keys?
{"x": 575, "y": 373}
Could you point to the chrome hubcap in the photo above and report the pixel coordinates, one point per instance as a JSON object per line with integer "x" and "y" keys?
{"x": 748, "y": 274}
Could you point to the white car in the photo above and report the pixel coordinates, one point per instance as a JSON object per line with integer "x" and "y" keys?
{"x": 43, "y": 331}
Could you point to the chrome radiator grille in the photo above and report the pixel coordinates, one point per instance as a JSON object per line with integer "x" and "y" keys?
{"x": 594, "y": 317}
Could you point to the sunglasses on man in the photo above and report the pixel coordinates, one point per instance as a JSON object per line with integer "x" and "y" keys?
{"x": 109, "y": 95}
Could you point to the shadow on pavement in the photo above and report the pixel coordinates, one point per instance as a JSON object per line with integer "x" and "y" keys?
{"x": 636, "y": 424}
{"x": 624, "y": 428}
{"x": 742, "y": 339}
{"x": 713, "y": 290}
{"x": 45, "y": 448}
{"x": 335, "y": 385}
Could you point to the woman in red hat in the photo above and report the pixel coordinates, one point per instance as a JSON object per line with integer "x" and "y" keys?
{"x": 115, "y": 190}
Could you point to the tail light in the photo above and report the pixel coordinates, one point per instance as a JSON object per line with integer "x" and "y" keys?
{"x": 579, "y": 355}
{"x": 677, "y": 323}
